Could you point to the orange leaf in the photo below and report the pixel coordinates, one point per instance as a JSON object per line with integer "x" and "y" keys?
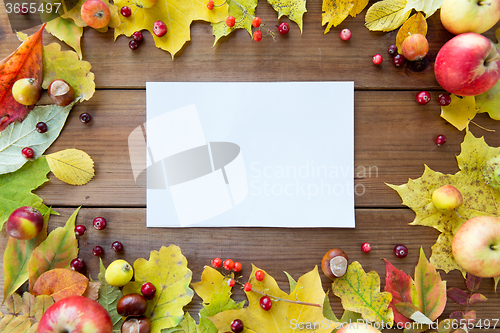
{"x": 416, "y": 24}
{"x": 25, "y": 62}
{"x": 92, "y": 290}
{"x": 60, "y": 283}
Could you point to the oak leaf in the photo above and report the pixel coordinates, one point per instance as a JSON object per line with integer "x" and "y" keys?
{"x": 243, "y": 12}
{"x": 56, "y": 251}
{"x": 167, "y": 271}
{"x": 176, "y": 14}
{"x": 416, "y": 24}
{"x": 60, "y": 283}
{"x": 108, "y": 298}
{"x": 25, "y": 62}
{"x": 386, "y": 15}
{"x": 460, "y": 111}
{"x": 282, "y": 315}
{"x": 67, "y": 31}
{"x": 360, "y": 292}
{"x": 72, "y": 166}
{"x": 429, "y": 7}
{"x": 293, "y": 9}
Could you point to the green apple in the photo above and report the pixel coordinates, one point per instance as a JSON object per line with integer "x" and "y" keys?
{"x": 459, "y": 16}
{"x": 447, "y": 197}
{"x": 476, "y": 246}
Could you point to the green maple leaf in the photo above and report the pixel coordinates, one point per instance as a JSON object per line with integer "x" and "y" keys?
{"x": 243, "y": 12}
{"x": 294, "y": 9}
{"x": 479, "y": 198}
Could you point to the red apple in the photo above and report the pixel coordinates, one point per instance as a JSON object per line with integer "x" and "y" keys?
{"x": 24, "y": 223}
{"x": 415, "y": 47}
{"x": 358, "y": 328}
{"x": 75, "y": 314}
{"x": 467, "y": 65}
{"x": 95, "y": 13}
{"x": 476, "y": 246}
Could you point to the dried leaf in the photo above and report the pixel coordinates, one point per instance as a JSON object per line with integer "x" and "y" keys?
{"x": 458, "y": 295}
{"x": 293, "y": 9}
{"x": 108, "y": 298}
{"x": 72, "y": 166}
{"x": 25, "y": 62}
{"x": 16, "y": 257}
{"x": 92, "y": 290}
{"x": 19, "y": 135}
{"x": 177, "y": 15}
{"x": 460, "y": 112}
{"x": 473, "y": 282}
{"x": 220, "y": 29}
{"x": 429, "y": 7}
{"x": 57, "y": 251}
{"x": 335, "y": 11}
{"x": 29, "y": 309}
{"x": 167, "y": 271}
{"x": 67, "y": 31}
{"x": 477, "y": 298}
{"x": 360, "y": 292}
{"x": 386, "y": 15}
{"x": 457, "y": 315}
{"x": 14, "y": 304}
{"x": 16, "y": 188}
{"x": 212, "y": 282}
{"x": 402, "y": 288}
{"x": 66, "y": 65}
{"x": 60, "y": 283}
{"x": 15, "y": 324}
{"x": 416, "y": 24}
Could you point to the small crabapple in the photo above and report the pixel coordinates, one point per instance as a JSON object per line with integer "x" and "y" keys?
{"x": 259, "y": 275}
{"x": 230, "y": 21}
{"x": 257, "y": 36}
{"x": 228, "y": 264}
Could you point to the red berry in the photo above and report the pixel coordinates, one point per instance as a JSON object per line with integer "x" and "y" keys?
{"x": 237, "y": 267}
{"x": 398, "y": 60}
{"x": 444, "y": 99}
{"x": 133, "y": 44}
{"x": 237, "y": 326}
{"x": 77, "y": 264}
{"x": 23, "y": 10}
{"x": 230, "y": 21}
{"x": 228, "y": 264}
{"x": 440, "y": 140}
{"x": 231, "y": 282}
{"x": 137, "y": 36}
{"x": 256, "y": 22}
{"x": 159, "y": 28}
{"x": 265, "y": 303}
{"x": 259, "y": 275}
{"x": 210, "y": 5}
{"x": 148, "y": 290}
{"x": 85, "y": 118}
{"x": 392, "y": 50}
{"x": 99, "y": 223}
{"x": 126, "y": 11}
{"x": 423, "y": 97}
{"x": 400, "y": 251}
{"x": 28, "y": 152}
{"x": 80, "y": 230}
{"x": 98, "y": 251}
{"x": 366, "y": 247}
{"x": 345, "y": 34}
{"x": 257, "y": 35}
{"x": 283, "y": 28}
{"x": 377, "y": 59}
{"x": 117, "y": 246}
{"x": 247, "y": 287}
{"x": 41, "y": 127}
{"x": 216, "y": 262}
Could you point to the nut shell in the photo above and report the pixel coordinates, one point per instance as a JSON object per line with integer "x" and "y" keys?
{"x": 140, "y": 324}
{"x": 61, "y": 92}
{"x": 132, "y": 305}
{"x": 334, "y": 263}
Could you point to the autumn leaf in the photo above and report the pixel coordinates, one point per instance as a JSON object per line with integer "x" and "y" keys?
{"x": 282, "y": 315}
{"x": 108, "y": 298}
{"x": 335, "y": 11}
{"x": 67, "y": 66}
{"x": 60, "y": 283}
{"x": 25, "y": 62}
{"x": 67, "y": 31}
{"x": 243, "y": 12}
{"x": 293, "y": 9}
{"x": 416, "y": 24}
{"x": 16, "y": 257}
{"x": 429, "y": 7}
{"x": 75, "y": 15}
{"x": 218, "y": 303}
{"x": 386, "y": 15}
{"x": 490, "y": 101}
{"x": 72, "y": 166}
{"x": 402, "y": 288}
{"x": 460, "y": 111}
{"x": 56, "y": 251}
{"x": 212, "y": 282}
{"x": 24, "y": 313}
{"x": 360, "y": 292}
{"x": 167, "y": 271}
{"x": 176, "y": 14}
{"x": 458, "y": 295}
{"x": 92, "y": 290}
{"x": 19, "y": 135}
{"x": 187, "y": 325}
{"x": 16, "y": 188}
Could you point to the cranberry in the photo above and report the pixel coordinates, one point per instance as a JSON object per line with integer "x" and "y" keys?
{"x": 28, "y": 152}
{"x": 366, "y": 247}
{"x": 159, "y": 28}
{"x": 444, "y": 99}
{"x": 23, "y": 10}
{"x": 80, "y": 230}
{"x": 137, "y": 36}
{"x": 392, "y": 50}
{"x": 99, "y": 223}
{"x": 85, "y": 118}
{"x": 345, "y": 34}
{"x": 440, "y": 140}
{"x": 98, "y": 251}
{"x": 237, "y": 326}
{"x": 400, "y": 251}
{"x": 133, "y": 44}
{"x": 117, "y": 246}
{"x": 41, "y": 127}
{"x": 377, "y": 59}
{"x": 283, "y": 28}
{"x": 77, "y": 264}
{"x": 423, "y": 97}
{"x": 126, "y": 11}
{"x": 265, "y": 303}
{"x": 398, "y": 60}
{"x": 148, "y": 290}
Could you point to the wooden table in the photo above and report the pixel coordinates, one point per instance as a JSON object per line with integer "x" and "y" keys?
{"x": 393, "y": 134}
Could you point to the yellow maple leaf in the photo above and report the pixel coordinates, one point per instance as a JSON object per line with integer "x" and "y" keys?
{"x": 176, "y": 14}
{"x": 335, "y": 11}
{"x": 294, "y": 9}
{"x": 460, "y": 111}
{"x": 71, "y": 166}
{"x": 416, "y": 24}
{"x": 386, "y": 15}
{"x": 212, "y": 282}
{"x": 284, "y": 317}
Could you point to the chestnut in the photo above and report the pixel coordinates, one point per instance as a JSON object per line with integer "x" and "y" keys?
{"x": 335, "y": 263}
{"x": 140, "y": 324}
{"x": 61, "y": 92}
{"x": 132, "y": 305}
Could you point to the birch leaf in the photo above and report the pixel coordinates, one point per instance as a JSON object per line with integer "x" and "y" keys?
{"x": 460, "y": 111}
{"x": 386, "y": 15}
{"x": 416, "y": 24}
{"x": 72, "y": 166}
{"x": 108, "y": 298}
{"x": 67, "y": 31}
{"x": 429, "y": 7}
{"x": 335, "y": 11}
{"x": 293, "y": 9}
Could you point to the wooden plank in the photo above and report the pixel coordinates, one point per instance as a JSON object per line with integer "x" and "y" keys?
{"x": 394, "y": 138}
{"x": 296, "y": 251}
